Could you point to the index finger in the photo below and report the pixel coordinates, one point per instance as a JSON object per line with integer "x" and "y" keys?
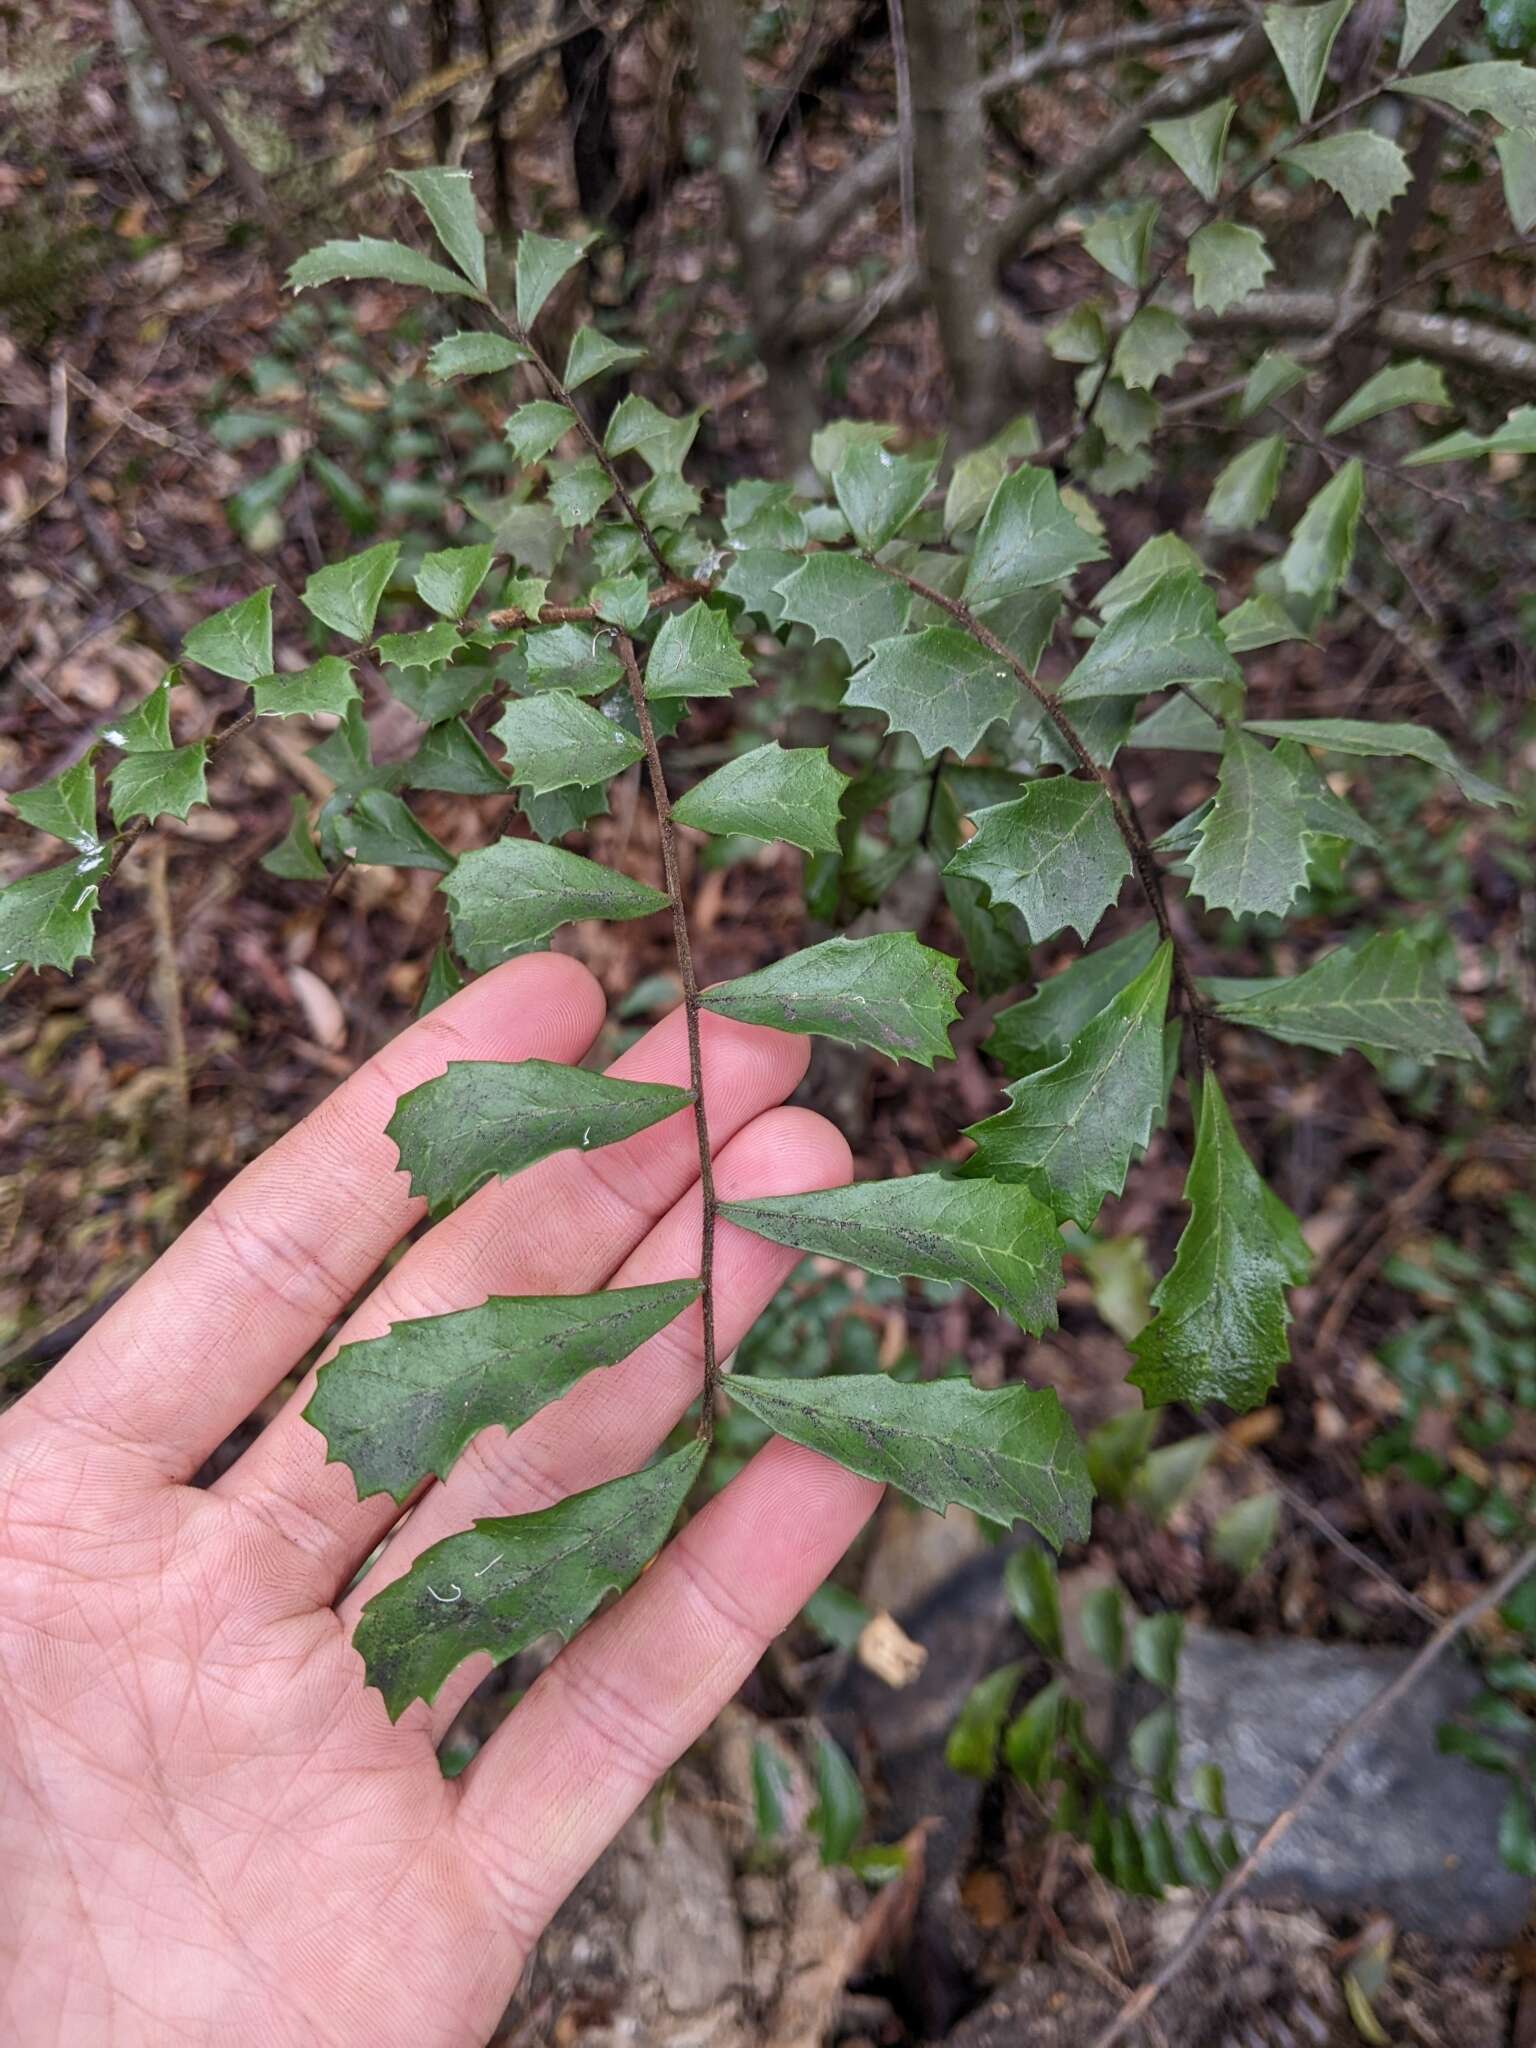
{"x": 245, "y": 1291}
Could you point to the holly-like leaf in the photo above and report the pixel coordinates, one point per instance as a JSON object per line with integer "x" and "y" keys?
{"x": 398, "y": 1407}
{"x": 637, "y": 427}
{"x": 1226, "y": 263}
{"x": 1027, "y": 538}
{"x": 1420, "y": 20}
{"x": 1080, "y": 335}
{"x": 843, "y": 599}
{"x": 759, "y": 514}
{"x": 1181, "y": 725}
{"x": 533, "y": 429}
{"x": 505, "y": 897}
{"x": 448, "y": 579}
{"x": 1069, "y": 1131}
{"x": 388, "y": 262}
{"x": 1517, "y": 436}
{"x": 1245, "y": 489}
{"x": 1367, "y": 737}
{"x": 1152, "y": 346}
{"x": 1008, "y": 1453}
{"x": 1054, "y": 854}
{"x": 49, "y": 919}
{"x": 1272, "y": 376}
{"x": 695, "y": 654}
{"x": 147, "y": 728}
{"x": 1168, "y": 635}
{"x": 1383, "y": 996}
{"x": 509, "y": 1580}
{"x": 65, "y": 805}
{"x": 1120, "y": 238}
{"x": 541, "y": 263}
{"x": 593, "y": 354}
{"x": 346, "y": 595}
{"x": 472, "y": 354}
{"x": 773, "y": 792}
{"x": 879, "y": 491}
{"x": 578, "y": 491}
{"x": 1197, "y": 144}
{"x": 1219, "y": 1330}
{"x": 1259, "y": 621}
{"x": 1253, "y": 852}
{"x": 379, "y": 829}
{"x": 451, "y": 758}
{"x": 327, "y": 685}
{"x": 1503, "y": 89}
{"x": 555, "y": 741}
{"x": 429, "y": 647}
{"x": 438, "y": 693}
{"x": 1415, "y": 382}
{"x": 1368, "y": 171}
{"x": 485, "y": 1120}
{"x": 1036, "y": 1032}
{"x": 998, "y": 1240}
{"x": 753, "y": 575}
{"x": 1162, "y": 555}
{"x": 1303, "y": 38}
{"x": 236, "y": 641}
{"x": 940, "y": 685}
{"x": 571, "y": 657}
{"x": 160, "y": 785}
{"x": 623, "y": 601}
{"x": 295, "y": 857}
{"x": 1322, "y": 543}
{"x": 447, "y": 198}
{"x": 887, "y": 991}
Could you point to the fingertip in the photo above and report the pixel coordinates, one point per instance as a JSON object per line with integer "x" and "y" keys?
{"x": 785, "y": 1151}
{"x": 554, "y": 985}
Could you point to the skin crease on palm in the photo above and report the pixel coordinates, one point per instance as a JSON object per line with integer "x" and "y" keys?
{"x": 209, "y": 1830}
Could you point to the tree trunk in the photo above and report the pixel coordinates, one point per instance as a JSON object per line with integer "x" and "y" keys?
{"x": 957, "y": 244}
{"x": 727, "y": 106}
{"x": 495, "y": 108}
{"x": 152, "y": 111}
{"x": 585, "y": 67}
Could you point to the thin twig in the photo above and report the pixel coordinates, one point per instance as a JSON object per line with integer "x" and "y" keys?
{"x": 663, "y": 805}
{"x": 1381, "y": 1703}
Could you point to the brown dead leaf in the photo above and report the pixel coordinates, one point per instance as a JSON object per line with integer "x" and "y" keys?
{"x": 323, "y": 1014}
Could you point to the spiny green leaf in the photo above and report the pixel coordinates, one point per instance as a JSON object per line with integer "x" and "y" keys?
{"x": 771, "y": 793}
{"x": 1180, "y": 725}
{"x": 1245, "y": 489}
{"x": 978, "y": 474}
{"x": 1322, "y": 543}
{"x": 1412, "y": 383}
{"x": 1169, "y": 635}
{"x": 1008, "y": 1453}
{"x": 1517, "y": 436}
{"x": 830, "y": 444}
{"x": 1154, "y": 559}
{"x": 508, "y": 1581}
{"x": 327, "y": 685}
{"x": 452, "y": 759}
{"x": 1326, "y": 814}
{"x": 533, "y": 429}
{"x": 448, "y": 579}
{"x": 578, "y": 491}
{"x": 1197, "y": 144}
{"x": 879, "y": 492}
{"x": 594, "y": 353}
{"x": 843, "y": 599}
{"x": 555, "y": 741}
{"x": 1368, "y": 171}
{"x": 1421, "y": 19}
{"x": 447, "y": 198}
{"x": 1368, "y": 737}
{"x": 1036, "y": 1032}
{"x": 147, "y": 728}
{"x": 572, "y": 657}
{"x": 998, "y": 1240}
{"x": 472, "y": 354}
{"x": 1120, "y": 239}
{"x": 753, "y": 575}
{"x": 65, "y": 805}
{"x": 940, "y": 685}
{"x": 887, "y": 991}
{"x": 638, "y": 427}
{"x": 1080, "y": 335}
{"x": 368, "y": 257}
{"x": 429, "y": 647}
{"x": 695, "y": 654}
{"x": 623, "y": 601}
{"x": 1503, "y": 89}
{"x": 1253, "y": 853}
{"x": 236, "y": 641}
{"x": 1219, "y": 1331}
{"x": 438, "y": 693}
{"x": 504, "y": 897}
{"x": 1259, "y": 621}
{"x": 346, "y": 595}
{"x": 1303, "y": 38}
{"x": 484, "y": 1120}
{"x": 1383, "y": 996}
{"x": 541, "y": 263}
{"x": 1272, "y": 376}
{"x": 1152, "y": 346}
{"x": 1054, "y": 854}
{"x": 160, "y": 785}
{"x": 1069, "y": 1130}
{"x": 1027, "y": 538}
{"x": 379, "y": 829}
{"x": 1126, "y": 419}
{"x": 1226, "y": 263}
{"x": 49, "y": 919}
{"x": 398, "y": 1407}
{"x": 760, "y": 514}
{"x": 295, "y": 858}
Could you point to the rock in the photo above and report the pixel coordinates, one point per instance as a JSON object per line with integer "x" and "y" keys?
{"x": 1399, "y": 1828}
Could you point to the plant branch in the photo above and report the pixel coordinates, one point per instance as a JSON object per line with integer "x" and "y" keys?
{"x": 663, "y": 803}
{"x": 1143, "y": 861}
{"x": 1381, "y": 1703}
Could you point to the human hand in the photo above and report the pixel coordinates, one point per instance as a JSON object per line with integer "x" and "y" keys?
{"x": 210, "y": 1832}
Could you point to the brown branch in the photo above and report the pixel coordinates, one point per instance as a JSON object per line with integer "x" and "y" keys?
{"x": 710, "y": 1204}
{"x": 1468, "y": 344}
{"x": 1143, "y": 861}
{"x": 1136, "y": 2008}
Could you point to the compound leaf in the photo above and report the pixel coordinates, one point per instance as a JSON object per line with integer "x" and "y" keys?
{"x": 1054, "y": 854}
{"x": 887, "y": 991}
{"x": 505, "y": 897}
{"x": 774, "y": 792}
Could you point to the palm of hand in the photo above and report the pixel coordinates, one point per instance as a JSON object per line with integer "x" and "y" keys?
{"x": 209, "y": 1829}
